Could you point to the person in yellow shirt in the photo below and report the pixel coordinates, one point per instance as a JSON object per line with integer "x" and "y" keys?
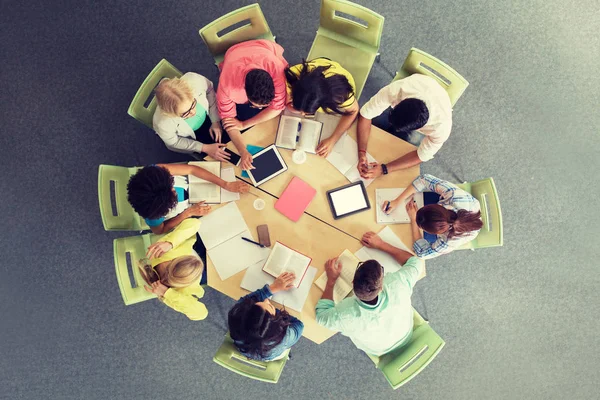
{"x": 174, "y": 270}
{"x": 323, "y": 85}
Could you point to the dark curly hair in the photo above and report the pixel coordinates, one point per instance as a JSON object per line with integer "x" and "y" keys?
{"x": 150, "y": 192}
{"x": 311, "y": 90}
{"x": 256, "y": 328}
{"x": 368, "y": 280}
{"x": 409, "y": 115}
{"x": 259, "y": 87}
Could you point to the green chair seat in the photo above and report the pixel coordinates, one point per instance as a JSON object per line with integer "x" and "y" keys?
{"x": 112, "y": 188}
{"x": 127, "y": 251}
{"x": 229, "y": 357}
{"x": 402, "y": 364}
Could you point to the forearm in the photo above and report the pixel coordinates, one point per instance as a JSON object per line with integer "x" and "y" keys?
{"x": 172, "y": 223}
{"x": 236, "y": 138}
{"x": 363, "y": 132}
{"x": 342, "y": 126}
{"x": 399, "y": 255}
{"x": 328, "y": 292}
{"x": 416, "y": 232}
{"x": 406, "y": 161}
{"x": 207, "y": 176}
{"x": 262, "y": 116}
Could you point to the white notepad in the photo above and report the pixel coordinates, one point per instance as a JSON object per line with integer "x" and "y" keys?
{"x": 228, "y": 175}
{"x": 221, "y": 232}
{"x": 343, "y": 286}
{"x": 344, "y": 157}
{"x": 255, "y": 278}
{"x": 388, "y": 262}
{"x": 399, "y": 215}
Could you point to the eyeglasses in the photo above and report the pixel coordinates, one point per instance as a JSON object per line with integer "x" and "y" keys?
{"x": 188, "y": 112}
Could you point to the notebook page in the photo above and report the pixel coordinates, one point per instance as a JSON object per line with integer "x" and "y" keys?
{"x": 399, "y": 215}
{"x": 297, "y": 264}
{"x": 309, "y": 135}
{"x": 213, "y": 167}
{"x": 235, "y": 255}
{"x": 204, "y": 191}
{"x": 343, "y": 285}
{"x": 280, "y": 256}
{"x": 228, "y": 175}
{"x": 221, "y": 225}
{"x": 287, "y": 132}
{"x": 330, "y": 122}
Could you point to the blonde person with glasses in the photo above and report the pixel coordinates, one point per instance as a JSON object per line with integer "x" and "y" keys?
{"x": 174, "y": 271}
{"x": 186, "y": 116}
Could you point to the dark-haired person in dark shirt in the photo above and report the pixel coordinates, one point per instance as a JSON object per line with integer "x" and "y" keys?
{"x": 417, "y": 103}
{"x": 158, "y": 193}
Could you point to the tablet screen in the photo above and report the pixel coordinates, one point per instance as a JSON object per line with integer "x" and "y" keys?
{"x": 267, "y": 164}
{"x": 348, "y": 199}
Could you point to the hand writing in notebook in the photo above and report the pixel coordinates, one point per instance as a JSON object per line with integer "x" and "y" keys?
{"x": 325, "y": 147}
{"x": 285, "y": 281}
{"x": 333, "y": 269}
{"x": 371, "y": 240}
{"x": 411, "y": 209}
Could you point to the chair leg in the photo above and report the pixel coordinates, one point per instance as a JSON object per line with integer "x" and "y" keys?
{"x": 378, "y": 58}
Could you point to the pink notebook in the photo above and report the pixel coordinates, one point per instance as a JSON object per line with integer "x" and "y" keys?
{"x": 295, "y": 199}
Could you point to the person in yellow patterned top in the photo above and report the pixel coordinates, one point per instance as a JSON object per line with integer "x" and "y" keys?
{"x": 322, "y": 85}
{"x": 174, "y": 270}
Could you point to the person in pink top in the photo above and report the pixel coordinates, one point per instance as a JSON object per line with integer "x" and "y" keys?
{"x": 252, "y": 76}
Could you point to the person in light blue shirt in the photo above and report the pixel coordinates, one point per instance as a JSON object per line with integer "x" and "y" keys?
{"x": 258, "y": 329}
{"x": 379, "y": 317}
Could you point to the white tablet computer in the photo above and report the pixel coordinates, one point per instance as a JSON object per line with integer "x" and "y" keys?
{"x": 267, "y": 163}
{"x": 348, "y": 199}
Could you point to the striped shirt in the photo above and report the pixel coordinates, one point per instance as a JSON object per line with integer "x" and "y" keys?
{"x": 452, "y": 198}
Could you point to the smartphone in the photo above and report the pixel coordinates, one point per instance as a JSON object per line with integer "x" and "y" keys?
{"x": 263, "y": 235}
{"x": 233, "y": 158}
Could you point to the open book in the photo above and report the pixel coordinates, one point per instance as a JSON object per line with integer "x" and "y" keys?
{"x": 298, "y": 133}
{"x": 344, "y": 157}
{"x": 201, "y": 190}
{"x": 343, "y": 286}
{"x": 283, "y": 259}
{"x": 399, "y": 215}
{"x": 389, "y": 263}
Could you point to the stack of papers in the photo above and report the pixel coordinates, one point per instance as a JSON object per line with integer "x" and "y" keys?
{"x": 221, "y": 232}
{"x": 344, "y": 157}
{"x": 255, "y": 278}
{"x": 399, "y": 215}
{"x": 388, "y": 262}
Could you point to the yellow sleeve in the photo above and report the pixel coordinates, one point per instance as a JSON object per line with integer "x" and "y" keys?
{"x": 187, "y": 304}
{"x": 186, "y": 229}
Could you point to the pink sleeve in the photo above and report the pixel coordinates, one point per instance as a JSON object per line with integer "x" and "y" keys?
{"x": 225, "y": 105}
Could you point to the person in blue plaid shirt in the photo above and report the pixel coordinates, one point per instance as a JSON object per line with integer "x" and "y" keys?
{"x": 452, "y": 222}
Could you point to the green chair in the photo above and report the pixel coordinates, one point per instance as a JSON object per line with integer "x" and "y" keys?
{"x": 246, "y": 23}
{"x": 229, "y": 357}
{"x": 355, "y": 45}
{"x": 401, "y": 365}
{"x": 127, "y": 251}
{"x": 490, "y": 234}
{"x": 419, "y": 62}
{"x": 117, "y": 214}
{"x": 137, "y": 108}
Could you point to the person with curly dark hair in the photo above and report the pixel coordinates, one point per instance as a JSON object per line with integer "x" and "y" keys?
{"x": 251, "y": 89}
{"x": 323, "y": 85}
{"x": 379, "y": 317}
{"x": 158, "y": 193}
{"x": 258, "y": 329}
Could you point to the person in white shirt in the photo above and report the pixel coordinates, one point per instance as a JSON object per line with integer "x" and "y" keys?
{"x": 186, "y": 116}
{"x": 418, "y": 102}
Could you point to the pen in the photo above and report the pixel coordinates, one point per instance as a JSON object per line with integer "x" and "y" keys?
{"x": 252, "y": 241}
{"x": 387, "y": 206}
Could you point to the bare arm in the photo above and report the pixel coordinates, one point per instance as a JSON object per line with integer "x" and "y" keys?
{"x": 186, "y": 169}
{"x": 416, "y": 231}
{"x": 372, "y": 240}
{"x": 333, "y": 270}
{"x": 264, "y": 115}
{"x": 363, "y": 132}
{"x": 406, "y": 161}
{"x": 171, "y": 223}
{"x": 345, "y": 122}
{"x": 328, "y": 292}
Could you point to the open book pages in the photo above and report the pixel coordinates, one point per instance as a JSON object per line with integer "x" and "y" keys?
{"x": 399, "y": 215}
{"x": 202, "y": 190}
{"x": 343, "y": 286}
{"x": 298, "y": 133}
{"x": 344, "y": 157}
{"x": 294, "y": 298}
{"x": 389, "y": 263}
{"x": 228, "y": 175}
{"x": 283, "y": 259}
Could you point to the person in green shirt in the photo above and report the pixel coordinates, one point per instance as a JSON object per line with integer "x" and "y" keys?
{"x": 379, "y": 317}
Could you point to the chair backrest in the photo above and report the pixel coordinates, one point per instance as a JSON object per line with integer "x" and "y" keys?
{"x": 419, "y": 62}
{"x": 351, "y": 23}
{"x": 127, "y": 251}
{"x": 117, "y": 214}
{"x": 229, "y": 357}
{"x": 143, "y": 105}
{"x": 401, "y": 365}
{"x": 491, "y": 234}
{"x": 246, "y": 23}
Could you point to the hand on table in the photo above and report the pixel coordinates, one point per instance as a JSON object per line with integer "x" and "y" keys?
{"x": 199, "y": 209}
{"x": 411, "y": 209}
{"x": 216, "y": 131}
{"x": 285, "y": 281}
{"x": 233, "y": 124}
{"x": 374, "y": 170}
{"x": 371, "y": 240}
{"x": 333, "y": 269}
{"x": 157, "y": 249}
{"x": 390, "y": 205}
{"x": 363, "y": 163}
{"x": 216, "y": 151}
{"x": 325, "y": 147}
{"x": 237, "y": 187}
{"x": 157, "y": 288}
{"x": 246, "y": 160}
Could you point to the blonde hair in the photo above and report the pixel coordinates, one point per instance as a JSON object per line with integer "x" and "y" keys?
{"x": 170, "y": 93}
{"x": 180, "y": 272}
